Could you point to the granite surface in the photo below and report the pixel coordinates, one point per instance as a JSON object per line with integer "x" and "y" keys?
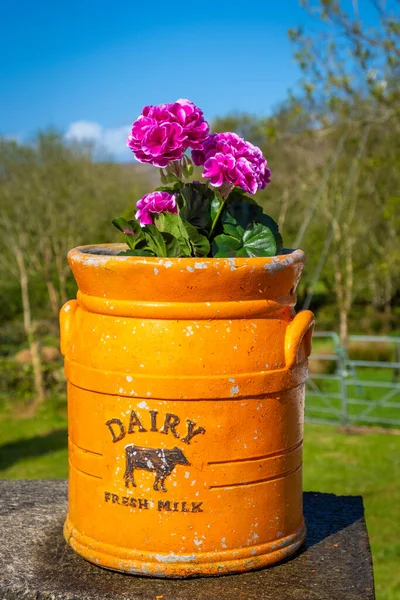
{"x": 36, "y": 564}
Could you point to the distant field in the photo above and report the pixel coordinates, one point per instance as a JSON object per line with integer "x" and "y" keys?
{"x": 335, "y": 462}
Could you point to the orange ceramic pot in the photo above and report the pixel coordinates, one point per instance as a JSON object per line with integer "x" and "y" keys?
{"x": 185, "y": 405}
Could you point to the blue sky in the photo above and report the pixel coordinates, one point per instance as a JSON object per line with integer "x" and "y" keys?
{"x": 86, "y": 67}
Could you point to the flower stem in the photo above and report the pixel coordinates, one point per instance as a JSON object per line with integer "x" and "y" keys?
{"x": 217, "y": 216}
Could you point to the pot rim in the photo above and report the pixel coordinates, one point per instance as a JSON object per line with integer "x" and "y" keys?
{"x": 99, "y": 253}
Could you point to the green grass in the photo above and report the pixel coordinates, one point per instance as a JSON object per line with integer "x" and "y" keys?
{"x": 335, "y": 462}
{"x": 34, "y": 448}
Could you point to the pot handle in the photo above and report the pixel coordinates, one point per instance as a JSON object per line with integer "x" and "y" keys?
{"x": 298, "y": 338}
{"x": 67, "y": 313}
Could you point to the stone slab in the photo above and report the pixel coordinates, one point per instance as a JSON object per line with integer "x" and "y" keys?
{"x": 36, "y": 563}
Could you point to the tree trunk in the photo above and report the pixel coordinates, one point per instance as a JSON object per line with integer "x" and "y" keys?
{"x": 343, "y": 327}
{"x": 29, "y": 330}
{"x": 348, "y": 296}
{"x": 342, "y": 273}
{"x": 342, "y": 305}
{"x": 47, "y": 267}
{"x": 53, "y": 296}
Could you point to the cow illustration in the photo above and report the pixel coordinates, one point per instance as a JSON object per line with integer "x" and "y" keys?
{"x": 159, "y": 460}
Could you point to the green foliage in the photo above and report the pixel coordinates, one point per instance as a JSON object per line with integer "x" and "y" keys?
{"x": 195, "y": 209}
{"x": 348, "y": 61}
{"x": 175, "y": 226}
{"x": 132, "y": 230}
{"x": 161, "y": 243}
{"x": 167, "y": 237}
{"x": 12, "y": 337}
{"x": 10, "y": 299}
{"x": 256, "y": 240}
{"x": 70, "y": 200}
{"x": 247, "y": 231}
{"x": 16, "y": 379}
{"x": 198, "y": 242}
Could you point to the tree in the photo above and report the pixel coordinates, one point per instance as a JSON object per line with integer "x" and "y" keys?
{"x": 346, "y": 61}
{"x": 351, "y": 83}
{"x": 54, "y": 197}
{"x": 16, "y": 240}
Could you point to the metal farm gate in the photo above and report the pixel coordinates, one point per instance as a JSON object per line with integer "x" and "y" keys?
{"x": 348, "y": 391}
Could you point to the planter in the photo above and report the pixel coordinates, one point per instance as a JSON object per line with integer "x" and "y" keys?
{"x": 185, "y": 404}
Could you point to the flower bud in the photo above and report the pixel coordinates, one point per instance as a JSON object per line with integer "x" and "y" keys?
{"x": 173, "y": 171}
{"x": 188, "y": 170}
{"x": 187, "y": 166}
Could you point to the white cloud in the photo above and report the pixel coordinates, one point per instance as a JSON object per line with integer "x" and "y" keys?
{"x": 112, "y": 139}
{"x": 84, "y": 130}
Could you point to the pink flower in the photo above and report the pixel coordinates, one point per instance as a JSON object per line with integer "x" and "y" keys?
{"x": 155, "y": 202}
{"x": 162, "y": 133}
{"x": 227, "y": 158}
{"x": 220, "y": 168}
{"x": 192, "y": 121}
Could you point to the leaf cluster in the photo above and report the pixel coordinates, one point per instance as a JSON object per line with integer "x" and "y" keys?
{"x": 205, "y": 225}
{"x": 246, "y": 230}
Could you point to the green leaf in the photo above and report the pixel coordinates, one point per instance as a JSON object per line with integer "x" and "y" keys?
{"x": 123, "y": 225}
{"x": 173, "y": 224}
{"x": 231, "y": 226}
{"x": 199, "y": 242}
{"x": 259, "y": 241}
{"x": 239, "y": 195}
{"x": 162, "y": 243}
{"x": 269, "y": 222}
{"x": 225, "y": 246}
{"x": 172, "y": 244}
{"x": 132, "y": 230}
{"x": 155, "y": 240}
{"x": 195, "y": 208}
{"x": 247, "y": 232}
{"x": 245, "y": 211}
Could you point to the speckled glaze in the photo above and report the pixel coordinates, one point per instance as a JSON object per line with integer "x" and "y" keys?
{"x": 185, "y": 404}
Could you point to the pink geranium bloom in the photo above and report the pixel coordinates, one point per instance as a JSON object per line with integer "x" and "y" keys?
{"x": 164, "y": 132}
{"x": 227, "y": 158}
{"x": 220, "y": 168}
{"x": 155, "y": 203}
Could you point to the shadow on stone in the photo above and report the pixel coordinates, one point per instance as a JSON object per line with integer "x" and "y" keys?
{"x": 327, "y": 514}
